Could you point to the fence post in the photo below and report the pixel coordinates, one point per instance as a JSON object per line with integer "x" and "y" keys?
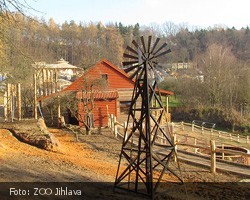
{"x": 112, "y": 123}
{"x": 247, "y": 139}
{"x": 223, "y": 154}
{"x": 115, "y": 126}
{"x": 109, "y": 121}
{"x": 19, "y": 103}
{"x": 9, "y": 100}
{"x": 5, "y": 106}
{"x": 195, "y": 143}
{"x": 182, "y": 125}
{"x": 35, "y": 95}
{"x": 219, "y": 134}
{"x": 172, "y": 127}
{"x": 212, "y": 131}
{"x": 175, "y": 148}
{"x": 213, "y": 156}
{"x": 192, "y": 127}
{"x": 125, "y": 124}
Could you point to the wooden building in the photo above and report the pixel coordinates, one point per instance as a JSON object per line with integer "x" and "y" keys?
{"x": 111, "y": 89}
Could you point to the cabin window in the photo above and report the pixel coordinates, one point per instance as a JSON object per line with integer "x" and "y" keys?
{"x": 104, "y": 76}
{"x": 124, "y": 107}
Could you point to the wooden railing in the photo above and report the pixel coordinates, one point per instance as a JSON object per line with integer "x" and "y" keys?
{"x": 213, "y": 132}
{"x": 193, "y": 143}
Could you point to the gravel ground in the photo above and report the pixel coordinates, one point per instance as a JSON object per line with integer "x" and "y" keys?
{"x": 94, "y": 159}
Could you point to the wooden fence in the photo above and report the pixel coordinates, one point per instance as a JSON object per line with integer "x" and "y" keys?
{"x": 212, "y": 132}
{"x": 194, "y": 144}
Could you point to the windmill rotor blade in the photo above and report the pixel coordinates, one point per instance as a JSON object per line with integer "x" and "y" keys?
{"x": 155, "y": 44}
{"x": 163, "y": 53}
{"x": 131, "y": 68}
{"x": 143, "y": 44}
{"x": 140, "y": 74}
{"x": 162, "y": 46}
{"x": 135, "y": 43}
{"x": 150, "y": 65}
{"x": 149, "y": 42}
{"x": 136, "y": 72}
{"x": 129, "y": 63}
{"x": 129, "y": 56}
{"x": 132, "y": 50}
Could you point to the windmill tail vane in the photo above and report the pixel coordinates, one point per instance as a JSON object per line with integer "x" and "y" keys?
{"x": 148, "y": 148}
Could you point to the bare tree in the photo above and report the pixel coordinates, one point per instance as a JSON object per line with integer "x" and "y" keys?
{"x": 81, "y": 103}
{"x": 170, "y": 28}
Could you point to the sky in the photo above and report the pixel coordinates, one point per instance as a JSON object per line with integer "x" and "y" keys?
{"x": 197, "y": 13}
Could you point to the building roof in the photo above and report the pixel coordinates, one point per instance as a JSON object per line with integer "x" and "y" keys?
{"x": 164, "y": 92}
{"x": 78, "y": 84}
{"x": 60, "y": 64}
{"x": 112, "y": 94}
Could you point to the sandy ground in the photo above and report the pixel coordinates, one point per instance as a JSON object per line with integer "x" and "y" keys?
{"x": 93, "y": 159}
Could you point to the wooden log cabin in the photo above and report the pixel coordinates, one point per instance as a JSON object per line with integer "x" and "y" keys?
{"x": 111, "y": 90}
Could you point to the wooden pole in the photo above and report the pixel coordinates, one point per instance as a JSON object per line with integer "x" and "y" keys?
{"x": 167, "y": 111}
{"x": 51, "y": 81}
{"x": 43, "y": 80}
{"x": 59, "y": 107}
{"x": 112, "y": 123}
{"x": 172, "y": 127}
{"x": 9, "y": 102}
{"x": 175, "y": 148}
{"x": 5, "y": 106}
{"x": 213, "y": 156}
{"x": 109, "y": 121}
{"x": 47, "y": 82}
{"x": 19, "y": 104}
{"x": 35, "y": 96}
{"x": 115, "y": 127}
{"x": 12, "y": 102}
{"x": 56, "y": 81}
{"x": 125, "y": 124}
{"x": 223, "y": 154}
{"x": 195, "y": 143}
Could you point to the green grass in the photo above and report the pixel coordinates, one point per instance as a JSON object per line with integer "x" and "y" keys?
{"x": 174, "y": 102}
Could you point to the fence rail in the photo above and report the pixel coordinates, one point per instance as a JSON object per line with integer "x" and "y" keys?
{"x": 193, "y": 143}
{"x": 213, "y": 132}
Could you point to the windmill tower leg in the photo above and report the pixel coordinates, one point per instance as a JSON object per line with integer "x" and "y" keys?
{"x": 143, "y": 160}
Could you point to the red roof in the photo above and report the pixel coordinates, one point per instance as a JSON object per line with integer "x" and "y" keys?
{"x": 93, "y": 74}
{"x": 164, "y": 92}
{"x": 78, "y": 84}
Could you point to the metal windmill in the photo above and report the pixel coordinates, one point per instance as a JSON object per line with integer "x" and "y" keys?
{"x": 147, "y": 147}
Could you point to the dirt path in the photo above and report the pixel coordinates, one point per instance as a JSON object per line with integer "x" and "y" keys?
{"x": 93, "y": 159}
{"x": 73, "y": 161}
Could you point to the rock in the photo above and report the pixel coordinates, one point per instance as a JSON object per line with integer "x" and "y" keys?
{"x": 33, "y": 132}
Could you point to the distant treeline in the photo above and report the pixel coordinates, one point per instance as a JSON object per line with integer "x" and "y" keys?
{"x": 84, "y": 44}
{"x": 220, "y": 55}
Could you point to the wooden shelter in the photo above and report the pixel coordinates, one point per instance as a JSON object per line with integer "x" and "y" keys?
{"x": 112, "y": 97}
